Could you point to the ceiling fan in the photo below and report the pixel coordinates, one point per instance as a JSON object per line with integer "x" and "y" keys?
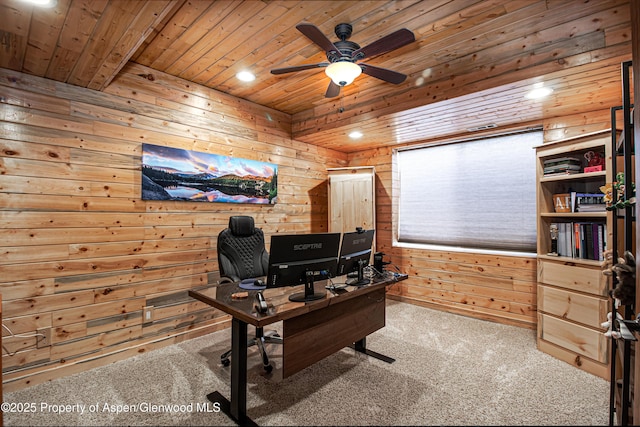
{"x": 343, "y": 55}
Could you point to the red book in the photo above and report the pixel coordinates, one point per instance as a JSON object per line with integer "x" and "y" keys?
{"x": 588, "y": 169}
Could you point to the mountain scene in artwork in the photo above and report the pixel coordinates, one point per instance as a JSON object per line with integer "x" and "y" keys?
{"x": 178, "y": 174}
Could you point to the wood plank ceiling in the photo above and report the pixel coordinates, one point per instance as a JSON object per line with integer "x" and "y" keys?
{"x": 470, "y": 65}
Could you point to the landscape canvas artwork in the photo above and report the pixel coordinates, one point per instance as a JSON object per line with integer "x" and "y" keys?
{"x": 177, "y": 174}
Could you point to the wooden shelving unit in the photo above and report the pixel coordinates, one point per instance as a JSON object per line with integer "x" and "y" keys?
{"x": 572, "y": 294}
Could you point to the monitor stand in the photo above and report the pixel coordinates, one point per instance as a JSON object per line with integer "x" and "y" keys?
{"x": 360, "y": 281}
{"x": 309, "y": 293}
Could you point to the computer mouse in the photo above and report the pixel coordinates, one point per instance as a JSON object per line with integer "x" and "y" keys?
{"x": 258, "y": 282}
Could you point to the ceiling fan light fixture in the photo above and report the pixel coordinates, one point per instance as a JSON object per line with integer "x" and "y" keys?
{"x": 343, "y": 72}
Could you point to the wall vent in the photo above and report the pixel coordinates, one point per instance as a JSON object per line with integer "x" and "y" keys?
{"x": 483, "y": 127}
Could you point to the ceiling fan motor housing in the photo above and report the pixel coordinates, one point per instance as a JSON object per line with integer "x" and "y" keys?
{"x": 346, "y": 48}
{"x": 343, "y": 55}
{"x": 343, "y": 31}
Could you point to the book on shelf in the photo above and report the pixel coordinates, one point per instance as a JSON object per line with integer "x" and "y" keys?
{"x": 601, "y": 242}
{"x": 587, "y": 202}
{"x": 562, "y": 161}
{"x": 565, "y": 239}
{"x": 588, "y": 240}
{"x": 562, "y": 165}
{"x": 564, "y": 172}
{"x": 595, "y": 207}
{"x": 577, "y": 240}
{"x": 596, "y": 242}
{"x": 589, "y": 169}
{"x": 581, "y": 240}
{"x": 562, "y": 168}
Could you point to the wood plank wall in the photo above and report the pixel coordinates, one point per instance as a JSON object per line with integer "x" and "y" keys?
{"x": 490, "y": 287}
{"x": 82, "y": 254}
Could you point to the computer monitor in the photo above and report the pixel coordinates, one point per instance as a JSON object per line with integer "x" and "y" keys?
{"x": 355, "y": 253}
{"x": 296, "y": 259}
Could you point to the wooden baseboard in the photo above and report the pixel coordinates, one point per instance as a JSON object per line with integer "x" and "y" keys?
{"x": 19, "y": 380}
{"x": 466, "y": 312}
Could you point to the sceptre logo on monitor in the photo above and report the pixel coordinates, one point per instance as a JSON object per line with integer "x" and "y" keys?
{"x": 307, "y": 246}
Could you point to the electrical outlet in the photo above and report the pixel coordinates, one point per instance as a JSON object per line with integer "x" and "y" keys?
{"x": 44, "y": 337}
{"x": 147, "y": 313}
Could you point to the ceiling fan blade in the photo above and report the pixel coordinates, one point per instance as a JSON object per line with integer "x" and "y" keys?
{"x": 383, "y": 74}
{"x": 333, "y": 90}
{"x": 298, "y": 68}
{"x": 314, "y": 34}
{"x": 386, "y": 44}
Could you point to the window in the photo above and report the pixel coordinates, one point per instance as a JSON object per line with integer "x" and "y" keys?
{"x": 473, "y": 194}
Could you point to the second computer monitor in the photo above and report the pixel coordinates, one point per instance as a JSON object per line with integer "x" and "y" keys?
{"x": 355, "y": 253}
{"x": 296, "y": 259}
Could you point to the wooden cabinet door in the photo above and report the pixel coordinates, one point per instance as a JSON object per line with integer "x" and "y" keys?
{"x": 351, "y": 199}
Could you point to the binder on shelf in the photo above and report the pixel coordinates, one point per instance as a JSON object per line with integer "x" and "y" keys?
{"x": 588, "y": 239}
{"x": 596, "y": 242}
{"x": 576, "y": 237}
{"x": 581, "y": 240}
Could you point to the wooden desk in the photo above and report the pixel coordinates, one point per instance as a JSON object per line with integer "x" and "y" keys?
{"x": 311, "y": 331}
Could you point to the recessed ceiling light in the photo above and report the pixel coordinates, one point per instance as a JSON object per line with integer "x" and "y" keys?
{"x": 538, "y": 91}
{"x": 355, "y": 134}
{"x": 246, "y": 76}
{"x": 42, "y": 3}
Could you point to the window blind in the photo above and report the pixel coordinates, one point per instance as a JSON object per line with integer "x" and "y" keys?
{"x": 472, "y": 194}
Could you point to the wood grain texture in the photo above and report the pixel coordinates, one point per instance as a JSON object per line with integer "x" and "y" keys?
{"x": 477, "y": 58}
{"x": 74, "y": 232}
{"x": 314, "y": 336}
{"x": 492, "y": 287}
{"x": 351, "y": 201}
{"x": 82, "y": 254}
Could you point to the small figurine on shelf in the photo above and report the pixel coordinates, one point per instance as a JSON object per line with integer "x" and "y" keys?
{"x": 553, "y": 229}
{"x": 595, "y": 161}
{"x": 607, "y": 190}
{"x": 619, "y": 186}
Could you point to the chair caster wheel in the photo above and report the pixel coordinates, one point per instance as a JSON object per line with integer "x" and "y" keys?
{"x": 268, "y": 368}
{"x": 225, "y": 362}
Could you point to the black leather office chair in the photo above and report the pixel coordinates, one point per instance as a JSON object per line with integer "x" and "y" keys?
{"x": 242, "y": 255}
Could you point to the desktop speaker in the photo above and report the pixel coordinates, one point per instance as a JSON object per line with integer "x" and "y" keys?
{"x": 378, "y": 262}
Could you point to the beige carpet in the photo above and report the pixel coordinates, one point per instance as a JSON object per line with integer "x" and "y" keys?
{"x": 449, "y": 370}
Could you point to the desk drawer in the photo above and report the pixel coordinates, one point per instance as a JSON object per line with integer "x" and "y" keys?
{"x": 572, "y": 276}
{"x": 588, "y": 342}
